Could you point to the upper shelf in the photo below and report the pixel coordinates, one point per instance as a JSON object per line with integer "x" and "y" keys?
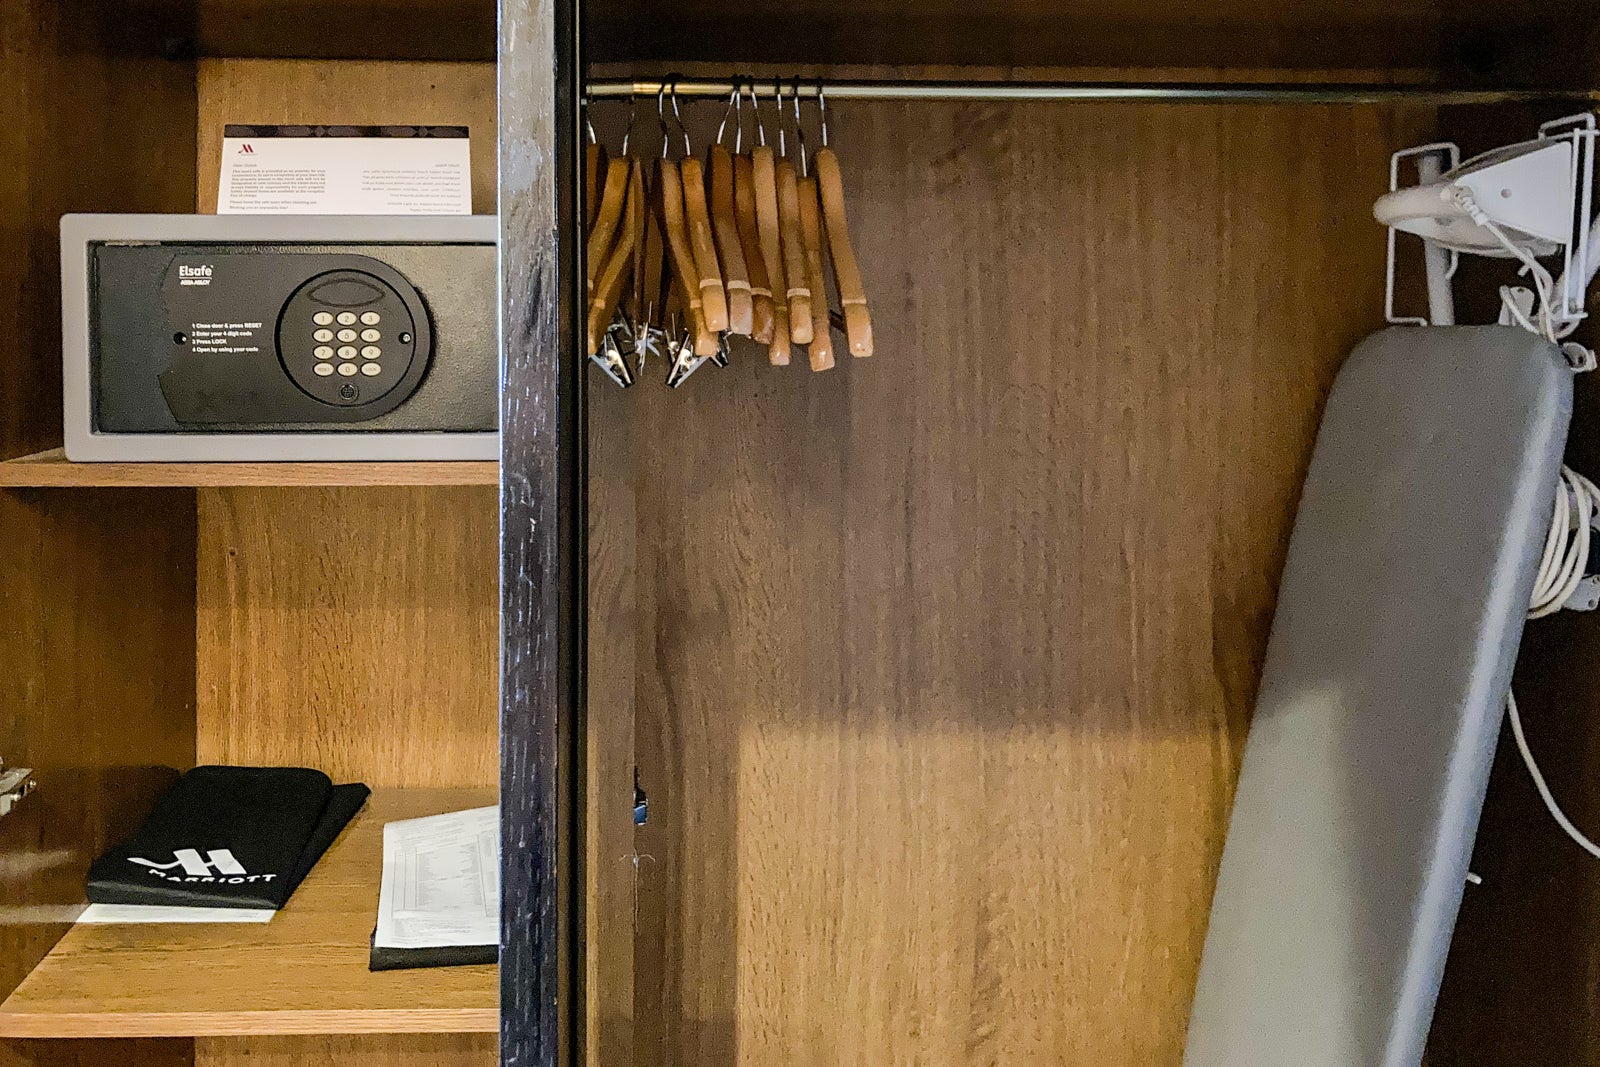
{"x": 305, "y": 972}
{"x": 1468, "y": 40}
{"x": 53, "y": 469}
{"x": 1476, "y": 40}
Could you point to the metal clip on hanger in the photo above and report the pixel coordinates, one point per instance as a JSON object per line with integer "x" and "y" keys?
{"x": 608, "y": 291}
{"x": 603, "y": 261}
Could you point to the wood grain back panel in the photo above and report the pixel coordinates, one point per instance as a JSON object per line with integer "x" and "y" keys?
{"x": 945, "y": 659}
{"x": 351, "y": 630}
{"x": 613, "y": 635}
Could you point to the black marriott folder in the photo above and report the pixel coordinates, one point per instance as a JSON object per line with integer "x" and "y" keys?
{"x": 228, "y": 837}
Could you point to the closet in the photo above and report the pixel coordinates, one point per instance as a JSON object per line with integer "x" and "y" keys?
{"x": 938, "y": 665}
{"x": 934, "y": 668}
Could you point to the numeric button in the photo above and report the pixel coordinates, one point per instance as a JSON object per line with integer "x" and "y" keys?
{"x": 322, "y": 318}
{"x": 370, "y": 336}
{"x": 347, "y": 369}
{"x": 370, "y": 318}
{"x": 347, "y": 318}
{"x": 323, "y": 336}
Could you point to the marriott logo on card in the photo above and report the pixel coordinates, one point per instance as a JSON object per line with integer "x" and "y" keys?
{"x": 218, "y": 866}
{"x": 247, "y": 149}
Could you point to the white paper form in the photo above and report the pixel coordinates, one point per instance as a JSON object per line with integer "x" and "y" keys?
{"x": 441, "y": 881}
{"x": 345, "y": 170}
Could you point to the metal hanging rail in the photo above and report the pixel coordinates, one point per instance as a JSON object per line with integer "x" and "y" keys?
{"x": 1178, "y": 92}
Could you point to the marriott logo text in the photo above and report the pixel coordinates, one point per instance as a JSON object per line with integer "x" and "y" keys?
{"x": 217, "y": 867}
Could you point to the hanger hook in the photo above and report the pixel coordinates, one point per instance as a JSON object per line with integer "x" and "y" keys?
{"x": 661, "y": 116}
{"x": 633, "y": 112}
{"x": 732, "y": 99}
{"x": 678, "y": 116}
{"x": 783, "y": 144}
{"x": 822, "y": 110}
{"x": 755, "y": 109}
{"x": 800, "y": 133}
{"x": 738, "y": 116}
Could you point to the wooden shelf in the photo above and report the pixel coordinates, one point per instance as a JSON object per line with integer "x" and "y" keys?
{"x": 305, "y": 972}
{"x": 53, "y": 469}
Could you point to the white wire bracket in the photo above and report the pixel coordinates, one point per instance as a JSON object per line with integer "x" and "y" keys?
{"x": 1529, "y": 201}
{"x": 1423, "y": 154}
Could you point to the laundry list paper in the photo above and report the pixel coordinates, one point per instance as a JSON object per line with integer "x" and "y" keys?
{"x": 345, "y": 170}
{"x": 439, "y": 897}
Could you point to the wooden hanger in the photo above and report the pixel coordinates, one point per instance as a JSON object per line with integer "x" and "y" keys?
{"x": 821, "y": 350}
{"x": 608, "y": 290}
{"x": 594, "y": 161}
{"x": 682, "y": 263}
{"x": 725, "y": 225}
{"x": 846, "y": 272}
{"x": 744, "y": 199}
{"x": 713, "y": 297}
{"x": 763, "y": 172}
{"x": 798, "y": 291}
{"x": 612, "y": 201}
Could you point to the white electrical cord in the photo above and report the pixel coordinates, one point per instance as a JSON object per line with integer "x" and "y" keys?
{"x": 1544, "y": 284}
{"x": 1566, "y": 550}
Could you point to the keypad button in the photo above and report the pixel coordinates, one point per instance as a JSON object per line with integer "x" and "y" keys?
{"x": 323, "y": 369}
{"x": 371, "y": 370}
{"x": 370, "y": 335}
{"x": 322, "y": 335}
{"x": 347, "y": 352}
{"x": 323, "y": 352}
{"x": 372, "y": 352}
{"x": 347, "y": 336}
{"x": 347, "y": 318}
{"x": 347, "y": 369}
{"x": 370, "y": 318}
{"x": 322, "y": 318}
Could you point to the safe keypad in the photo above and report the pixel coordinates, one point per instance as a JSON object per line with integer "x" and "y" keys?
{"x": 347, "y": 337}
{"x": 371, "y": 353}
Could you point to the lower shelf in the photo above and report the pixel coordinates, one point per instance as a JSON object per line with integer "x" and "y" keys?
{"x": 305, "y": 972}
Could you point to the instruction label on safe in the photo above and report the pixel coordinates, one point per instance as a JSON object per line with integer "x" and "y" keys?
{"x": 345, "y": 170}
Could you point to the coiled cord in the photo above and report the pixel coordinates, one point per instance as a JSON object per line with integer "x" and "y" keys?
{"x": 1566, "y": 551}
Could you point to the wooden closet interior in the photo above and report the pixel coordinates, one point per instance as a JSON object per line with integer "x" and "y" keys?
{"x": 935, "y": 667}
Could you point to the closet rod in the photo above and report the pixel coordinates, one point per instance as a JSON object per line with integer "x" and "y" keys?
{"x": 1194, "y": 92}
